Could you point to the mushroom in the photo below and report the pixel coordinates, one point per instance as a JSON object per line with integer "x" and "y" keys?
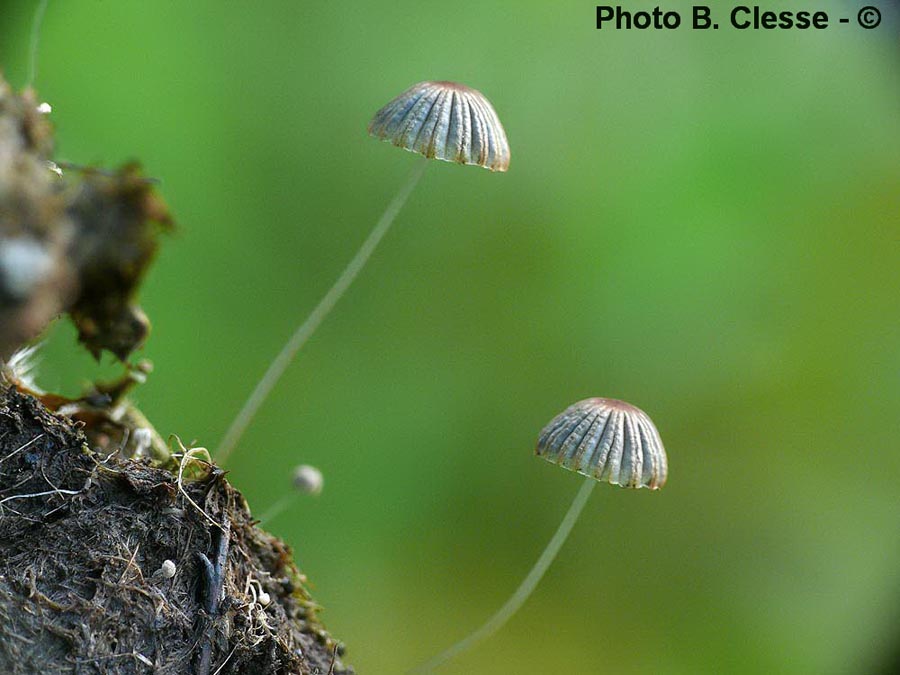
{"x": 307, "y": 480}
{"x": 440, "y": 120}
{"x": 603, "y": 439}
{"x": 446, "y": 121}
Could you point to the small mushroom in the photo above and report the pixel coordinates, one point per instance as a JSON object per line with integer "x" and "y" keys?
{"x": 440, "y": 120}
{"x": 167, "y": 569}
{"x": 604, "y": 439}
{"x": 446, "y": 121}
{"x": 306, "y": 480}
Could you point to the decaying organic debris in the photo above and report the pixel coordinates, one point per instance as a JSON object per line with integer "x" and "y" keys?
{"x": 116, "y": 556}
{"x": 78, "y": 244}
{"x": 84, "y": 540}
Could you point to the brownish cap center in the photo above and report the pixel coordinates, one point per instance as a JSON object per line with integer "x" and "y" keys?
{"x": 446, "y": 84}
{"x": 616, "y": 404}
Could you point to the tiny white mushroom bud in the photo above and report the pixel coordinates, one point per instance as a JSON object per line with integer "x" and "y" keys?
{"x": 44, "y": 108}
{"x": 263, "y": 599}
{"x": 308, "y": 479}
{"x": 167, "y": 569}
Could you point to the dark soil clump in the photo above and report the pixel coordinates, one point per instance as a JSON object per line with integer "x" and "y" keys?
{"x": 84, "y": 582}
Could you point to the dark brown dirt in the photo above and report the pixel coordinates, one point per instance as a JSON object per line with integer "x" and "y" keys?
{"x": 83, "y": 539}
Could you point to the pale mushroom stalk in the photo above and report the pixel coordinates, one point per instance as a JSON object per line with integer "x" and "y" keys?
{"x": 524, "y": 590}
{"x": 277, "y": 508}
{"x": 604, "y": 439}
{"x": 440, "y": 120}
{"x": 33, "y": 41}
{"x": 316, "y": 317}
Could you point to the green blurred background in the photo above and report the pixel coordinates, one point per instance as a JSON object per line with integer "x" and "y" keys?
{"x": 705, "y": 224}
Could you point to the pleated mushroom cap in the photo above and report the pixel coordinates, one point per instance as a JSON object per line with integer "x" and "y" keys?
{"x": 608, "y": 440}
{"x": 446, "y": 121}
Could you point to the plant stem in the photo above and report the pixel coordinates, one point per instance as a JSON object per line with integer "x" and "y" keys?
{"x": 307, "y": 328}
{"x": 523, "y": 591}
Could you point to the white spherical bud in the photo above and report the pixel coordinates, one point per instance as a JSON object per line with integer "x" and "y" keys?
{"x": 167, "y": 569}
{"x": 308, "y": 479}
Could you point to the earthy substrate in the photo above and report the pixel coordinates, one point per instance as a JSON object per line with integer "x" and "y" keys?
{"x": 83, "y": 538}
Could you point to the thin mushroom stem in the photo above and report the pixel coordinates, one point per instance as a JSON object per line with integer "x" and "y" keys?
{"x": 278, "y": 507}
{"x": 313, "y": 321}
{"x": 523, "y": 591}
{"x": 33, "y": 42}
